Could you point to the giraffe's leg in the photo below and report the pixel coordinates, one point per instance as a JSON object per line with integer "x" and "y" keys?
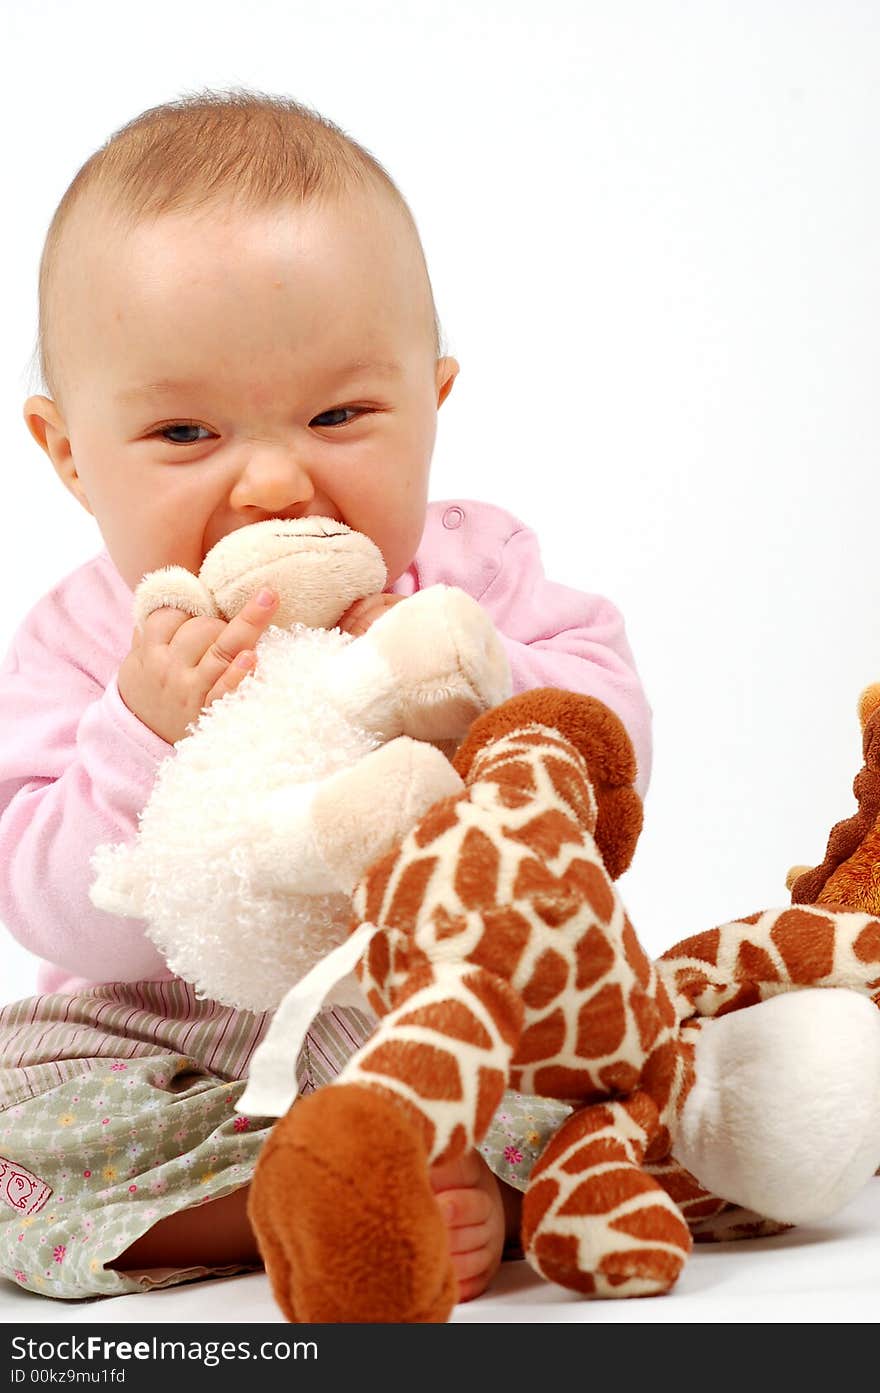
{"x": 734, "y": 1222}
{"x": 344, "y": 1213}
{"x": 593, "y": 1219}
{"x": 697, "y": 1204}
{"x": 341, "y": 1200}
{"x": 710, "y": 1218}
{"x": 445, "y": 1050}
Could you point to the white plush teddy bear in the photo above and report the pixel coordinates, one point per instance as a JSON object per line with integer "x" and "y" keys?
{"x": 280, "y": 795}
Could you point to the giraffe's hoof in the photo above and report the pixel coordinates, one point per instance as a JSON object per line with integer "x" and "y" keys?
{"x": 643, "y": 1272}
{"x": 614, "y": 1232}
{"x": 344, "y": 1213}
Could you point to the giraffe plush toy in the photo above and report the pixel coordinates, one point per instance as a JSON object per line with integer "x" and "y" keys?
{"x": 502, "y": 955}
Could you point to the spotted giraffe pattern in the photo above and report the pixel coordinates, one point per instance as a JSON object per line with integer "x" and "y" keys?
{"x": 504, "y": 954}
{"x": 776, "y": 950}
{"x": 740, "y": 964}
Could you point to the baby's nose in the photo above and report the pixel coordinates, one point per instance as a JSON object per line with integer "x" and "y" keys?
{"x": 275, "y": 477}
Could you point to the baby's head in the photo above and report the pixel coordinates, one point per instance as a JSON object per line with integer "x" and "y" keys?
{"x": 236, "y": 323}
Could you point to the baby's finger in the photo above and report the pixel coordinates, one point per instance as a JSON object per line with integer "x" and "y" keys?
{"x": 163, "y": 624}
{"x": 361, "y": 616}
{"x": 350, "y": 618}
{"x": 232, "y": 677}
{"x": 357, "y": 627}
{"x": 240, "y": 633}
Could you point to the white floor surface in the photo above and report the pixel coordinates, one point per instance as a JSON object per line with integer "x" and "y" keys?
{"x": 828, "y": 1273}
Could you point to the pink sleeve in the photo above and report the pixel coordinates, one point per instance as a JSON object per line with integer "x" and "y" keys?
{"x": 559, "y": 637}
{"x": 76, "y": 767}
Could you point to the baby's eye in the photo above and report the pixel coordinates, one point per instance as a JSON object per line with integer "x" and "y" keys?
{"x": 166, "y": 432}
{"x": 340, "y": 412}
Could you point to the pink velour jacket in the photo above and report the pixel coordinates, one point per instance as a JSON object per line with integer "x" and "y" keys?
{"x": 76, "y": 766}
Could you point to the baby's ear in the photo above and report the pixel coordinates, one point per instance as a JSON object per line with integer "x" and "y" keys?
{"x": 46, "y": 424}
{"x": 43, "y": 420}
{"x": 173, "y": 587}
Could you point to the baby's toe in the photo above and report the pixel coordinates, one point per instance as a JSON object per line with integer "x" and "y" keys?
{"x": 475, "y": 1232}
{"x": 466, "y": 1170}
{"x": 464, "y": 1208}
{"x": 474, "y": 1271}
{"x": 470, "y": 1237}
{"x": 470, "y": 1266}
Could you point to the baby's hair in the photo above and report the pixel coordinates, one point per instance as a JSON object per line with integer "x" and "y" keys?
{"x": 252, "y": 149}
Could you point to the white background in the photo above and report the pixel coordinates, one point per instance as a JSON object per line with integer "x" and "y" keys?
{"x": 652, "y": 229}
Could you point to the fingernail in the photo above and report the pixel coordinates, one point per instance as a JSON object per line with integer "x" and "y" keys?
{"x": 266, "y": 598}
{"x": 244, "y": 660}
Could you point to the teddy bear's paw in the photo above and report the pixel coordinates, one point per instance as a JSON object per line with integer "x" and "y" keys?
{"x": 172, "y": 587}
{"x": 448, "y": 659}
{"x": 344, "y": 1213}
{"x": 795, "y": 874}
{"x": 361, "y": 812}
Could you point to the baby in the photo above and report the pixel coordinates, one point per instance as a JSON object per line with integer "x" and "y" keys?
{"x": 236, "y": 323}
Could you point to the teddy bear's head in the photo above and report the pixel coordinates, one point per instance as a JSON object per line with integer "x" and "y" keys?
{"x": 318, "y": 566}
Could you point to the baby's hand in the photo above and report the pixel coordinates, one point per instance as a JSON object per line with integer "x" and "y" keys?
{"x": 179, "y": 665}
{"x": 358, "y": 617}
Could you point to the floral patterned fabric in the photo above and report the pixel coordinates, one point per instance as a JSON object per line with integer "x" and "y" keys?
{"x": 518, "y": 1133}
{"x": 117, "y": 1150}
{"x": 97, "y": 1148}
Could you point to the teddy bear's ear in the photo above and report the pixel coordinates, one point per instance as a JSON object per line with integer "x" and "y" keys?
{"x": 173, "y": 587}
{"x": 869, "y": 701}
{"x": 795, "y": 874}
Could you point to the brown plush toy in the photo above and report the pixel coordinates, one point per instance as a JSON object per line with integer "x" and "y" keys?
{"x": 502, "y": 957}
{"x": 849, "y": 876}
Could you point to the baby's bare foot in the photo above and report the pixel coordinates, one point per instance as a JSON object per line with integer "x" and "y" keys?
{"x": 479, "y": 1212}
